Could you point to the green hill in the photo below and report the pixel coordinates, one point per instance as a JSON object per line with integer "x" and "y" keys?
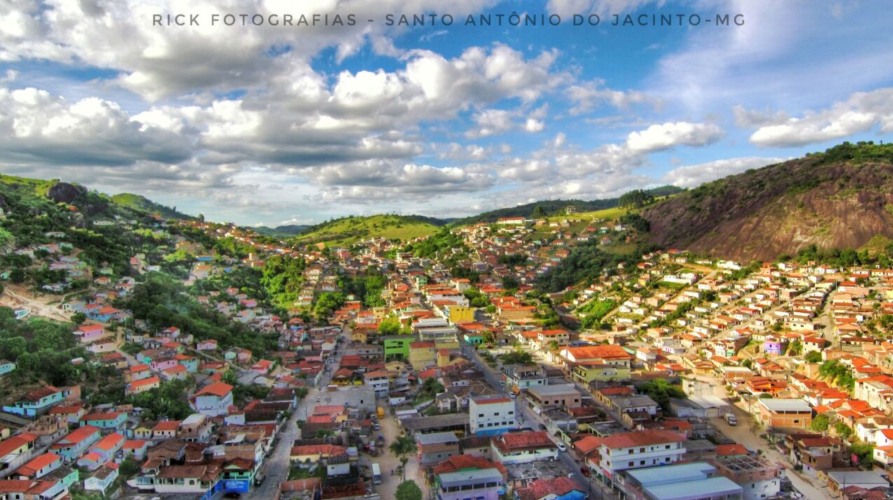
{"x": 549, "y": 208}
{"x": 349, "y": 230}
{"x": 143, "y": 204}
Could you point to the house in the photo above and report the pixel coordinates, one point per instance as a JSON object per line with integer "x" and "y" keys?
{"x": 102, "y": 479}
{"x": 602, "y": 362}
{"x": 555, "y": 396}
{"x": 483, "y": 484}
{"x": 557, "y": 488}
{"x": 785, "y": 413}
{"x": 107, "y": 421}
{"x": 522, "y": 377}
{"x": 206, "y": 345}
{"x": 41, "y": 489}
{"x": 637, "y": 449}
{"x": 89, "y": 333}
{"x": 136, "y": 448}
{"x": 37, "y": 402}
{"x": 436, "y": 447}
{"x": 6, "y": 367}
{"x": 488, "y": 416}
{"x": 102, "y": 451}
{"x": 143, "y": 385}
{"x": 16, "y": 450}
{"x": 213, "y": 400}
{"x": 759, "y": 477}
{"x": 313, "y": 454}
{"x": 76, "y": 442}
{"x": 422, "y": 354}
{"x": 39, "y": 466}
{"x": 186, "y": 479}
{"x": 523, "y": 447}
{"x": 688, "y": 480}
{"x": 166, "y": 429}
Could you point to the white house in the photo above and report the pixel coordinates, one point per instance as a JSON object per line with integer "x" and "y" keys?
{"x": 213, "y": 400}
{"x": 491, "y": 415}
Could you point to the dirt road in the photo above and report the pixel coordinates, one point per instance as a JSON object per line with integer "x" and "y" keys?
{"x": 16, "y": 296}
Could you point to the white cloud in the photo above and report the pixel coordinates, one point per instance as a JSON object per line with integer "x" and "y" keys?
{"x": 860, "y": 113}
{"x": 590, "y": 95}
{"x": 694, "y": 175}
{"x": 566, "y": 8}
{"x": 533, "y": 125}
{"x": 36, "y": 127}
{"x": 671, "y": 134}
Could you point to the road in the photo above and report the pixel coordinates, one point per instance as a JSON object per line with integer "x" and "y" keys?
{"x": 743, "y": 433}
{"x": 277, "y": 465}
{"x": 528, "y": 418}
{"x": 16, "y": 296}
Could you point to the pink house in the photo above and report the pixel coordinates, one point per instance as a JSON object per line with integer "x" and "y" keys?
{"x": 89, "y": 333}
{"x": 162, "y": 364}
{"x": 206, "y": 345}
{"x": 171, "y": 331}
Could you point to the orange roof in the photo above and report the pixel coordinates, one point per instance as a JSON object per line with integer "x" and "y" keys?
{"x": 101, "y": 416}
{"x": 641, "y": 438}
{"x": 13, "y": 443}
{"x": 218, "y": 389}
{"x": 37, "y": 463}
{"x": 134, "y": 444}
{"x": 145, "y": 381}
{"x": 167, "y": 425}
{"x": 731, "y": 449}
{"x": 90, "y": 328}
{"x": 457, "y": 463}
{"x": 109, "y": 442}
{"x": 91, "y": 457}
{"x": 529, "y": 439}
{"x": 78, "y": 435}
{"x": 609, "y": 351}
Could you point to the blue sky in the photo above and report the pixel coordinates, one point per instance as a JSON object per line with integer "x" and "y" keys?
{"x": 298, "y": 124}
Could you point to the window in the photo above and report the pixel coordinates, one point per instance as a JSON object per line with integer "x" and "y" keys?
{"x": 631, "y": 464}
{"x": 668, "y": 447}
{"x": 641, "y": 450}
{"x": 641, "y": 462}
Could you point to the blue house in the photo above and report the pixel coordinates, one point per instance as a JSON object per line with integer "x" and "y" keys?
{"x": 6, "y": 367}
{"x": 37, "y": 402}
{"x": 113, "y": 420}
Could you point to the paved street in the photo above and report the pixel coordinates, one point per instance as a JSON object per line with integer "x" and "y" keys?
{"x": 743, "y": 433}
{"x": 277, "y": 464}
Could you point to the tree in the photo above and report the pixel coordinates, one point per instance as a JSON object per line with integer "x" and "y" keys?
{"x": 403, "y": 446}
{"x": 78, "y": 318}
{"x": 820, "y": 423}
{"x": 408, "y": 490}
{"x": 813, "y": 357}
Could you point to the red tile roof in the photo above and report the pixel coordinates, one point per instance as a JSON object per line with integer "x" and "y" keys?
{"x": 641, "y": 438}
{"x": 218, "y": 389}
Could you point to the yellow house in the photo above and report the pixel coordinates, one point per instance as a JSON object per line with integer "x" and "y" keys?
{"x": 359, "y": 335}
{"x": 313, "y": 453}
{"x": 446, "y": 344}
{"x": 586, "y": 372}
{"x": 422, "y": 354}
{"x": 461, "y": 314}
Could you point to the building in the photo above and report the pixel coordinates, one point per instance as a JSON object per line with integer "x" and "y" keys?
{"x": 602, "y": 362}
{"x": 39, "y": 466}
{"x": 554, "y": 397}
{"x": 378, "y": 381}
{"x": 108, "y": 421}
{"x": 680, "y": 482}
{"x": 638, "y": 450}
{"x": 491, "y": 415}
{"x": 556, "y": 488}
{"x": 785, "y": 413}
{"x": 523, "y": 447}
{"x": 758, "y": 477}
{"x": 436, "y": 447}
{"x": 37, "y": 402}
{"x": 76, "y": 442}
{"x": 16, "y": 450}
{"x": 522, "y": 377}
{"x": 480, "y": 484}
{"x": 213, "y": 400}
{"x": 422, "y": 354}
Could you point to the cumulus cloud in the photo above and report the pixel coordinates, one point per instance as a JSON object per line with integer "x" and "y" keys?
{"x": 695, "y": 175}
{"x": 37, "y": 127}
{"x": 671, "y": 134}
{"x": 860, "y": 113}
{"x": 602, "y": 7}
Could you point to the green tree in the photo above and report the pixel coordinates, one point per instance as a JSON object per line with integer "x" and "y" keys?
{"x": 813, "y": 357}
{"x": 408, "y": 490}
{"x": 863, "y": 452}
{"x": 403, "y": 446}
{"x": 78, "y": 318}
{"x": 820, "y": 423}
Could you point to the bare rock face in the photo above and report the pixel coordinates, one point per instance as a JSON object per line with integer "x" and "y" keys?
{"x": 64, "y": 192}
{"x": 780, "y": 209}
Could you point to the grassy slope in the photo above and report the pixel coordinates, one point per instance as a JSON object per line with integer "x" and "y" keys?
{"x": 353, "y": 229}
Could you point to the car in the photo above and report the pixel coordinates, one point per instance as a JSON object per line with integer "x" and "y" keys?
{"x": 513, "y": 395}
{"x": 561, "y": 446}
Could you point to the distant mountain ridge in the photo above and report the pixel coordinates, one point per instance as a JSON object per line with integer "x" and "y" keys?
{"x": 555, "y": 207}
{"x": 143, "y": 204}
{"x": 842, "y": 198}
{"x": 282, "y": 231}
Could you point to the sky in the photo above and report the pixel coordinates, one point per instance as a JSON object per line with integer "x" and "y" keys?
{"x": 284, "y": 112}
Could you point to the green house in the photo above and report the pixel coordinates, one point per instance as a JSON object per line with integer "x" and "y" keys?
{"x": 397, "y": 346}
